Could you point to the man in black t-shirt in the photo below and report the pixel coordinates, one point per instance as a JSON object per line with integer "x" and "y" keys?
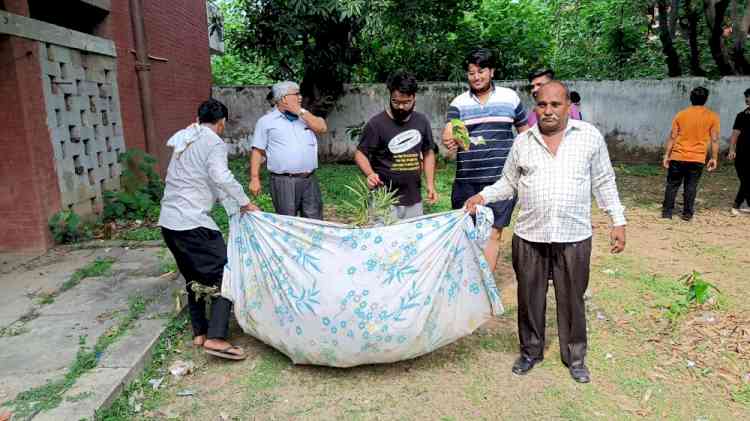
{"x": 739, "y": 151}
{"x": 396, "y": 144}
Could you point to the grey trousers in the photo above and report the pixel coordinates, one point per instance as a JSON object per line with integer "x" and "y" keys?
{"x": 569, "y": 265}
{"x": 407, "y": 212}
{"x": 297, "y": 196}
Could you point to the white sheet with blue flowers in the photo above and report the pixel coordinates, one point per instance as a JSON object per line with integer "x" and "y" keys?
{"x": 328, "y": 294}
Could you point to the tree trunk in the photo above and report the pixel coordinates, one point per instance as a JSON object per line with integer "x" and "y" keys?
{"x": 691, "y": 32}
{"x": 741, "y": 25}
{"x": 674, "y": 13}
{"x": 328, "y": 63}
{"x": 674, "y": 69}
{"x": 715, "y": 11}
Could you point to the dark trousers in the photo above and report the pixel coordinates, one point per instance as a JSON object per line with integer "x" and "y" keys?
{"x": 568, "y": 263}
{"x": 743, "y": 173}
{"x": 686, "y": 174}
{"x": 201, "y": 254}
{"x": 297, "y": 196}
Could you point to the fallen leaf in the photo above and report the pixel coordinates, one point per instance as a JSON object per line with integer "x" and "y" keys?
{"x": 647, "y": 396}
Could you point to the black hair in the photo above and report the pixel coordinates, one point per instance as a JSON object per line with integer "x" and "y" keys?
{"x": 575, "y": 97}
{"x": 212, "y": 111}
{"x": 542, "y": 72}
{"x": 699, "y": 96}
{"x": 481, "y": 57}
{"x": 402, "y": 81}
{"x": 747, "y": 92}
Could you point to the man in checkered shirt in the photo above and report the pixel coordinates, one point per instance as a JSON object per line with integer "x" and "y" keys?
{"x": 554, "y": 167}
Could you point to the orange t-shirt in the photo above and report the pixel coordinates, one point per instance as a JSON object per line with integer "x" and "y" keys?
{"x": 692, "y": 129}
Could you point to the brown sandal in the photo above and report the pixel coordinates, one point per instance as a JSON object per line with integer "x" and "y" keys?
{"x": 224, "y": 353}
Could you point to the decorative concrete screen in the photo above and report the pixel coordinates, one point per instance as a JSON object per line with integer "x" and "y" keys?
{"x": 83, "y": 114}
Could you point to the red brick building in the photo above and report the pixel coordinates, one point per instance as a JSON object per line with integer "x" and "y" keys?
{"x": 72, "y": 99}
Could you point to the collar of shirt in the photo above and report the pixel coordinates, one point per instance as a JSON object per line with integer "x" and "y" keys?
{"x": 277, "y": 114}
{"x": 476, "y": 98}
{"x": 211, "y": 134}
{"x": 537, "y": 134}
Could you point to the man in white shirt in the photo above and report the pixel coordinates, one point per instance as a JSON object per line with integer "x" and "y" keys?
{"x": 554, "y": 167}
{"x": 197, "y": 176}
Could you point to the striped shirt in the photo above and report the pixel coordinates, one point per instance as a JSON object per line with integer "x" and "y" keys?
{"x": 491, "y": 123}
{"x": 554, "y": 191}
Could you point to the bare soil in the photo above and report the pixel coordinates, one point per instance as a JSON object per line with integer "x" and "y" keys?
{"x": 643, "y": 365}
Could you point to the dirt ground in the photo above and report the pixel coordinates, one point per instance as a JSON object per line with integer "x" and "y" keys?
{"x": 643, "y": 365}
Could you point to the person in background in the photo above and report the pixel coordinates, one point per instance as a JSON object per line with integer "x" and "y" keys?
{"x": 539, "y": 78}
{"x": 739, "y": 152}
{"x": 575, "y": 106}
{"x": 694, "y": 129}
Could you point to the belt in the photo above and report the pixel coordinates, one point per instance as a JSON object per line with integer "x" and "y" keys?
{"x": 295, "y": 175}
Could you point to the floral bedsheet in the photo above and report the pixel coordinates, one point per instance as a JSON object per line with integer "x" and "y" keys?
{"x": 329, "y": 294}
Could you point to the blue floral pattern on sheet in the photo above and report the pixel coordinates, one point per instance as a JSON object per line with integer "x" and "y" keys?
{"x": 329, "y": 294}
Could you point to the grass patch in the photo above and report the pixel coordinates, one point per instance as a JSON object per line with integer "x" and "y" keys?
{"x": 16, "y": 329}
{"x": 742, "y": 395}
{"x": 121, "y": 410}
{"x": 45, "y": 298}
{"x": 167, "y": 263}
{"x": 98, "y": 267}
{"x": 267, "y": 373}
{"x": 46, "y": 397}
{"x": 265, "y": 376}
{"x": 639, "y": 170}
{"x": 142, "y": 234}
{"x": 505, "y": 341}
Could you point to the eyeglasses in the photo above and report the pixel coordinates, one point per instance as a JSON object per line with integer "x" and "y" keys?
{"x": 295, "y": 93}
{"x": 402, "y": 104}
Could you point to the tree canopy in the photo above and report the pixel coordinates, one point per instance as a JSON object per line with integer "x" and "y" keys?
{"x": 327, "y": 43}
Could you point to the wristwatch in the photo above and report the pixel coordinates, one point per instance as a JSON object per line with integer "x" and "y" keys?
{"x": 302, "y": 112}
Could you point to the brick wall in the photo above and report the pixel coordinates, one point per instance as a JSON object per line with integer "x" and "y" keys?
{"x": 177, "y": 31}
{"x": 29, "y": 192}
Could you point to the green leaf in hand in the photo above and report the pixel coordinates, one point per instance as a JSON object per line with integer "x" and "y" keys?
{"x": 460, "y": 133}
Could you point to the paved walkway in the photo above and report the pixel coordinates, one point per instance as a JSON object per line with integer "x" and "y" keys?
{"x": 43, "y": 326}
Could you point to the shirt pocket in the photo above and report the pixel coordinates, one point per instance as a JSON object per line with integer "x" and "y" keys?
{"x": 309, "y": 138}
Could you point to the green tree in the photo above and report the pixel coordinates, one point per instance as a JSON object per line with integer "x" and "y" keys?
{"x": 315, "y": 42}
{"x": 426, "y": 37}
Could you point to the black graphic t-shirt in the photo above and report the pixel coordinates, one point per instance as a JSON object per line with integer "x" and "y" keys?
{"x": 395, "y": 152}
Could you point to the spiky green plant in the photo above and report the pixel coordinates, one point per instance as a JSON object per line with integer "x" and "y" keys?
{"x": 370, "y": 206}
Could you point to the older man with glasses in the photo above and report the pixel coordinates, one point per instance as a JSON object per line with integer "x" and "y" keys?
{"x": 286, "y": 138}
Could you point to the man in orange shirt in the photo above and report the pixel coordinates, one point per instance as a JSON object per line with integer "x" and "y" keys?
{"x": 685, "y": 155}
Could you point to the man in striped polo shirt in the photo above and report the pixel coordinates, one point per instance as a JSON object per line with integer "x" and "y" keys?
{"x": 489, "y": 113}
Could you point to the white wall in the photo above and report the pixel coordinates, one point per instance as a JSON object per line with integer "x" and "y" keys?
{"x": 635, "y": 115}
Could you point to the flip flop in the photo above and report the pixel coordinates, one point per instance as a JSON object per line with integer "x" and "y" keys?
{"x": 224, "y": 353}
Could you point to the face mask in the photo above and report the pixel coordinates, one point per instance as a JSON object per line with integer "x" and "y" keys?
{"x": 400, "y": 114}
{"x": 290, "y": 116}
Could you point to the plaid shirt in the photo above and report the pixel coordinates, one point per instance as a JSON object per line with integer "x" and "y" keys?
{"x": 554, "y": 191}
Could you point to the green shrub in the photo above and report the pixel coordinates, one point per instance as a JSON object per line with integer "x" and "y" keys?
{"x": 231, "y": 70}
{"x": 67, "y": 227}
{"x": 140, "y": 192}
